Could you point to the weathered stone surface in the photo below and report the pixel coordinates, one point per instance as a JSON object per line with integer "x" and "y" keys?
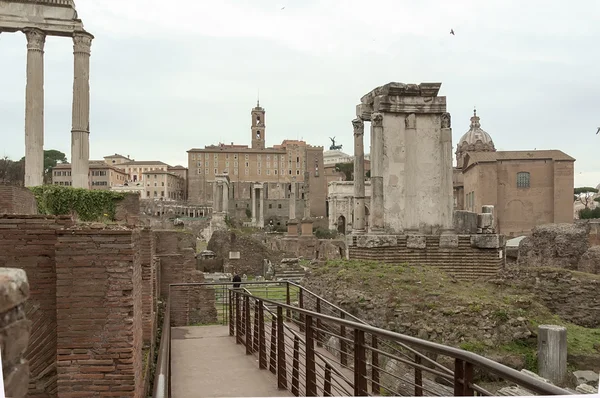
{"x": 590, "y": 261}
{"x": 487, "y": 209}
{"x": 586, "y": 377}
{"x": 485, "y": 220}
{"x": 416, "y": 242}
{"x": 449, "y": 241}
{"x": 376, "y": 240}
{"x": 16, "y": 380}
{"x": 487, "y": 241}
{"x": 554, "y": 245}
{"x": 586, "y": 389}
{"x": 465, "y": 222}
{"x": 14, "y": 288}
{"x": 14, "y": 339}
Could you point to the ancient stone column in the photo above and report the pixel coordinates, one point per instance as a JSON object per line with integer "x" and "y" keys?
{"x": 80, "y": 131}
{"x": 292, "y": 207}
{"x": 261, "y": 214}
{"x": 34, "y": 108}
{"x": 225, "y": 197}
{"x": 552, "y": 353}
{"x": 253, "y": 196}
{"x": 377, "y": 213}
{"x": 215, "y": 196}
{"x": 446, "y": 185}
{"x": 358, "y": 226}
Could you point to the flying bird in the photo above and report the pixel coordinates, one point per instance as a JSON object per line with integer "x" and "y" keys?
{"x": 452, "y": 32}
{"x": 598, "y": 131}
{"x": 282, "y": 7}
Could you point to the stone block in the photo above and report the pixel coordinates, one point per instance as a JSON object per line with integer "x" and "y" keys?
{"x": 485, "y": 220}
{"x": 465, "y": 222}
{"x": 14, "y": 288}
{"x": 448, "y": 241}
{"x": 487, "y": 209}
{"x": 14, "y": 339}
{"x": 16, "y": 380}
{"x": 552, "y": 353}
{"x": 487, "y": 241}
{"x": 416, "y": 242}
{"x": 368, "y": 241}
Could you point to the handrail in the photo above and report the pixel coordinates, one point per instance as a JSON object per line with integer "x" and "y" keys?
{"x": 498, "y": 369}
{"x": 162, "y": 374}
{"x": 346, "y": 313}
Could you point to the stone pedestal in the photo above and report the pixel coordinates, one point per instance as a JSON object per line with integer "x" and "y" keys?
{"x": 80, "y": 132}
{"x": 34, "y": 108}
{"x": 306, "y": 227}
{"x": 292, "y": 228}
{"x": 552, "y": 353}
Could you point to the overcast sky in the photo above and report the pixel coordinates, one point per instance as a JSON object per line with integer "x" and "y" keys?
{"x": 167, "y": 76}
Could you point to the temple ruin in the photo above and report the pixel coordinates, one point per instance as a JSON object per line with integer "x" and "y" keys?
{"x": 38, "y": 19}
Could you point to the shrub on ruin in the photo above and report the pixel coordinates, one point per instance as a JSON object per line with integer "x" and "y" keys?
{"x": 324, "y": 233}
{"x": 87, "y": 204}
{"x": 587, "y": 213}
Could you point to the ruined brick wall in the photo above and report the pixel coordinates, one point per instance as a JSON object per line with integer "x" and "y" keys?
{"x": 99, "y": 312}
{"x": 454, "y": 254}
{"x": 17, "y": 200}
{"x": 27, "y": 242}
{"x": 14, "y": 331}
{"x": 128, "y": 209}
{"x": 146, "y": 248}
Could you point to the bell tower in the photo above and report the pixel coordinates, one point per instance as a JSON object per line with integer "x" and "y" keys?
{"x": 258, "y": 127}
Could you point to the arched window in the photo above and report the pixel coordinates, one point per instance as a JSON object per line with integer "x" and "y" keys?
{"x": 258, "y": 135}
{"x": 523, "y": 179}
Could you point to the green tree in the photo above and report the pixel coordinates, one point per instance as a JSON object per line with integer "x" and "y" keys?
{"x": 585, "y": 195}
{"x": 52, "y": 157}
{"x": 11, "y": 172}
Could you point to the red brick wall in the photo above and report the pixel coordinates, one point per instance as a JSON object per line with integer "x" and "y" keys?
{"x": 148, "y": 289}
{"x": 99, "y": 312}
{"x": 17, "y": 200}
{"x": 27, "y": 242}
{"x": 128, "y": 209}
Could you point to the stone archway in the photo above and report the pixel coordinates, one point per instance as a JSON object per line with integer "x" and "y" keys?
{"x": 341, "y": 225}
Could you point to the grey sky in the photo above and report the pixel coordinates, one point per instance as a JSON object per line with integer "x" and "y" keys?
{"x": 170, "y": 76}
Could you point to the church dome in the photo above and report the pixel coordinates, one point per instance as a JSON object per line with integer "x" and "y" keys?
{"x": 474, "y": 140}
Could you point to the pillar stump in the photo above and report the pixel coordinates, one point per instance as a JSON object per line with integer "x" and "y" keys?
{"x": 552, "y": 353}
{"x": 306, "y": 227}
{"x": 292, "y": 228}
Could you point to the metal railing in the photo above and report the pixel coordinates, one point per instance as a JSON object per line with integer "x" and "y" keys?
{"x": 162, "y": 373}
{"x": 317, "y": 349}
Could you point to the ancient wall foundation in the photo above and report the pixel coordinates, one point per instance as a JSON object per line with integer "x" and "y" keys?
{"x": 28, "y": 243}
{"x": 464, "y": 256}
{"x": 99, "y": 312}
{"x": 17, "y": 200}
{"x": 14, "y": 331}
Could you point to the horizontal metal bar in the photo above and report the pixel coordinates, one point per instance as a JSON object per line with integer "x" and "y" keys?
{"x": 501, "y": 370}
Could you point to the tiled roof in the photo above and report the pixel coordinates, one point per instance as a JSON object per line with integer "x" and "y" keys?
{"x": 488, "y": 157}
{"x": 138, "y": 162}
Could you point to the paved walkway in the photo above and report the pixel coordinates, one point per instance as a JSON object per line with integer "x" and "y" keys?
{"x": 206, "y": 362}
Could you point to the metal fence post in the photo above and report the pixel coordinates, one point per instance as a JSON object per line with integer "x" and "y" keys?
{"x": 418, "y": 378}
{"x": 463, "y": 378}
{"x": 375, "y": 386}
{"x": 230, "y": 307}
{"x": 343, "y": 349}
{"x": 311, "y": 376}
{"x": 327, "y": 381}
{"x": 262, "y": 350}
{"x": 287, "y": 300}
{"x": 238, "y": 319}
{"x": 296, "y": 367}
{"x": 281, "y": 368}
{"x": 360, "y": 364}
{"x": 247, "y": 325}
{"x": 256, "y": 323}
{"x": 301, "y": 305}
{"x": 273, "y": 353}
{"x": 318, "y": 336}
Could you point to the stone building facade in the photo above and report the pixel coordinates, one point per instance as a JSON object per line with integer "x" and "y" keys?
{"x": 101, "y": 175}
{"x": 526, "y": 188}
{"x": 162, "y": 185}
{"x": 278, "y": 169}
{"x": 340, "y": 205}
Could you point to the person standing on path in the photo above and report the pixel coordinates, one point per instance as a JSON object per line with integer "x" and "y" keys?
{"x": 236, "y": 281}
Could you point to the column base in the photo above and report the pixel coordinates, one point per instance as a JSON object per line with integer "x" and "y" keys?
{"x": 358, "y": 232}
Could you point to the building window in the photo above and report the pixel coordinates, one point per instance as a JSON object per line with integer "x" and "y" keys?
{"x": 258, "y": 157}
{"x": 247, "y": 172}
{"x": 246, "y": 156}
{"x": 258, "y": 171}
{"x": 268, "y": 157}
{"x": 523, "y": 179}
{"x": 199, "y": 164}
{"x": 148, "y": 193}
{"x": 216, "y": 171}
{"x": 279, "y": 206}
{"x": 235, "y": 156}
{"x": 226, "y": 164}
{"x": 216, "y": 156}
{"x": 206, "y": 171}
{"x": 275, "y": 171}
{"x": 247, "y": 164}
{"x": 270, "y": 206}
{"x": 268, "y": 165}
{"x": 268, "y": 172}
{"x": 193, "y": 156}
{"x": 199, "y": 171}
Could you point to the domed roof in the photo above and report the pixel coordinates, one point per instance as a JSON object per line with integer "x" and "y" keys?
{"x": 476, "y": 138}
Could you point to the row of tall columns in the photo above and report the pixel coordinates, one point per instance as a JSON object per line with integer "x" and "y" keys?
{"x": 34, "y": 109}
{"x": 220, "y": 197}
{"x": 358, "y": 224}
{"x": 377, "y": 205}
{"x": 376, "y": 224}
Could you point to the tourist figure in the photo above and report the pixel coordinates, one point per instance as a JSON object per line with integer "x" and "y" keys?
{"x": 236, "y": 279}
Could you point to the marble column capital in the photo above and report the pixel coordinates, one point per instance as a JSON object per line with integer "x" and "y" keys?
{"x": 82, "y": 43}
{"x": 359, "y": 126}
{"x": 36, "y": 39}
{"x": 377, "y": 119}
